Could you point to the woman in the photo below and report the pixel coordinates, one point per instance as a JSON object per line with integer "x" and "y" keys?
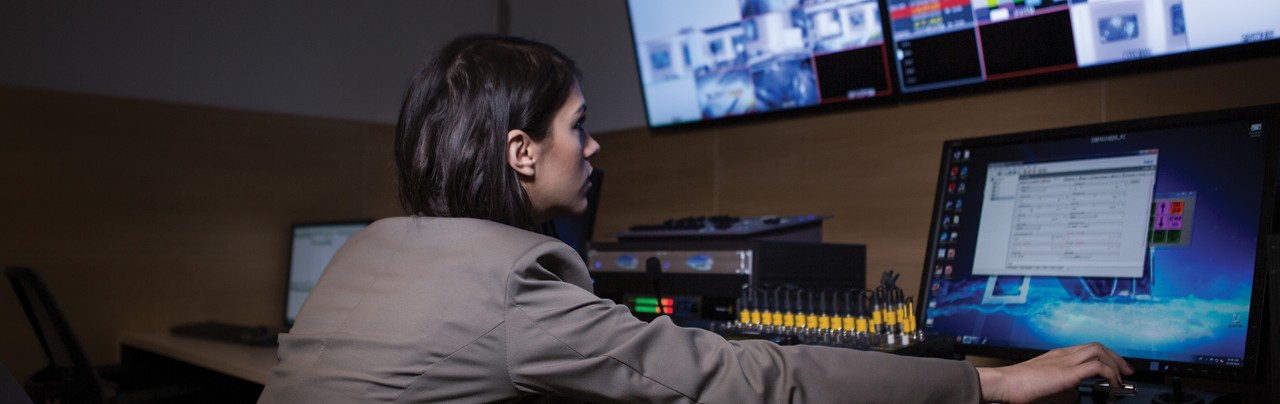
{"x": 464, "y": 301}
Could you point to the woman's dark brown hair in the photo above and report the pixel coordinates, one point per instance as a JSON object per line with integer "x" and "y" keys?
{"x": 450, "y": 144}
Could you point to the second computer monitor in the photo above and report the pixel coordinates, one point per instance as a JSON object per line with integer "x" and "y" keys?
{"x": 312, "y": 246}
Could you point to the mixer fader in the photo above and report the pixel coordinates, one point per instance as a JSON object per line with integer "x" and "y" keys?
{"x": 867, "y": 319}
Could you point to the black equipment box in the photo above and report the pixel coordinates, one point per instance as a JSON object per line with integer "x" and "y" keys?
{"x": 703, "y": 279}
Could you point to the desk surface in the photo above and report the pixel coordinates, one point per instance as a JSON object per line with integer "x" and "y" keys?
{"x": 252, "y": 363}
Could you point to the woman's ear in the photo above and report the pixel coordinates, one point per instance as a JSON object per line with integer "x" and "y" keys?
{"x": 522, "y": 152}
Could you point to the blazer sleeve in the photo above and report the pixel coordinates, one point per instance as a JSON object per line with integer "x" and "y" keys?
{"x": 564, "y": 341}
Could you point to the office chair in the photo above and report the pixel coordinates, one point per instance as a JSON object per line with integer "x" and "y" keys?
{"x": 70, "y": 377}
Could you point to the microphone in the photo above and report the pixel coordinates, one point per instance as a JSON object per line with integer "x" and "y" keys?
{"x": 653, "y": 268}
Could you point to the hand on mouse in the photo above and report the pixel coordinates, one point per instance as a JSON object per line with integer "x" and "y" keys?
{"x": 1051, "y": 376}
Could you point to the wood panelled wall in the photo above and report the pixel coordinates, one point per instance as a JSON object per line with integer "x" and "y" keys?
{"x": 143, "y": 215}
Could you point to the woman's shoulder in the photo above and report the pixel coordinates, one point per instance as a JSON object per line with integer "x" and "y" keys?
{"x": 480, "y": 243}
{"x": 451, "y": 230}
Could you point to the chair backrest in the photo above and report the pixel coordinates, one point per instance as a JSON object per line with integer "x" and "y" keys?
{"x": 72, "y": 374}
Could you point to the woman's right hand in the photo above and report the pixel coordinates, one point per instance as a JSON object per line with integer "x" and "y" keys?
{"x": 1053, "y": 375}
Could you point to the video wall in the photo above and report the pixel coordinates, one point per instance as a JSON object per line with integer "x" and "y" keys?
{"x": 709, "y": 60}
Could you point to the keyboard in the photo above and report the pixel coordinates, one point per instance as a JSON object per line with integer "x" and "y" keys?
{"x": 234, "y": 333}
{"x": 725, "y": 227}
{"x": 720, "y": 222}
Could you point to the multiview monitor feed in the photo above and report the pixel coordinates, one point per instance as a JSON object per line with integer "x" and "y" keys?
{"x": 712, "y": 59}
{"x": 1145, "y": 236}
{"x": 722, "y": 60}
{"x": 947, "y": 43}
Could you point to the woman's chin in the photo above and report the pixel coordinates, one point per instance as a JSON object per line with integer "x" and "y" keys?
{"x": 570, "y": 211}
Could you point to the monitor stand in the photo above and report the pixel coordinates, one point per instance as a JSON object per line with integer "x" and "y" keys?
{"x": 1154, "y": 393}
{"x": 1177, "y": 395}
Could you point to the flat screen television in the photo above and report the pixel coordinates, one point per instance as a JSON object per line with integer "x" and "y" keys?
{"x": 716, "y": 59}
{"x": 732, "y": 60}
{"x": 1147, "y": 236}
{"x": 949, "y": 43}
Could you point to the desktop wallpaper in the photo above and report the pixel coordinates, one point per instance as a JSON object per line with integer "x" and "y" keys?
{"x": 1192, "y": 303}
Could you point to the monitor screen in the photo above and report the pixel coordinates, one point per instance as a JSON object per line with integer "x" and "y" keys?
{"x": 311, "y": 248}
{"x": 947, "y": 43}
{"x": 1144, "y": 235}
{"x": 714, "y": 59}
{"x": 730, "y": 60}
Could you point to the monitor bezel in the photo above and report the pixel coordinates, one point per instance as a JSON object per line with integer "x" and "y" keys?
{"x": 288, "y": 269}
{"x": 1267, "y": 227}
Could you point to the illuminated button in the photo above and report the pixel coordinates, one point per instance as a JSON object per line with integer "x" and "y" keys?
{"x": 700, "y": 262}
{"x": 640, "y": 308}
{"x": 627, "y": 262}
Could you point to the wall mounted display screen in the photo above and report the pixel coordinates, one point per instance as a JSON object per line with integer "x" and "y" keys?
{"x": 946, "y": 43}
{"x": 1146, "y": 236}
{"x": 712, "y": 59}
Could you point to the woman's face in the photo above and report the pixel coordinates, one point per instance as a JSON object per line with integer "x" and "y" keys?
{"x": 560, "y": 182}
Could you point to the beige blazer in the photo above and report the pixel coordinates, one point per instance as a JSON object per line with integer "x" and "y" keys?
{"x": 418, "y": 309}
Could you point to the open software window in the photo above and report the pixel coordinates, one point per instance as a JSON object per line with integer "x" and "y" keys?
{"x": 1081, "y": 217}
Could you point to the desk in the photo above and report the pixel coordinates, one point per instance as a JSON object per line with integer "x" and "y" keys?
{"x": 162, "y": 352}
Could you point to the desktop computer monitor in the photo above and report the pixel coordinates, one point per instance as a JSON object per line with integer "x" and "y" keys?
{"x": 576, "y": 231}
{"x": 312, "y": 246}
{"x": 1147, "y": 236}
